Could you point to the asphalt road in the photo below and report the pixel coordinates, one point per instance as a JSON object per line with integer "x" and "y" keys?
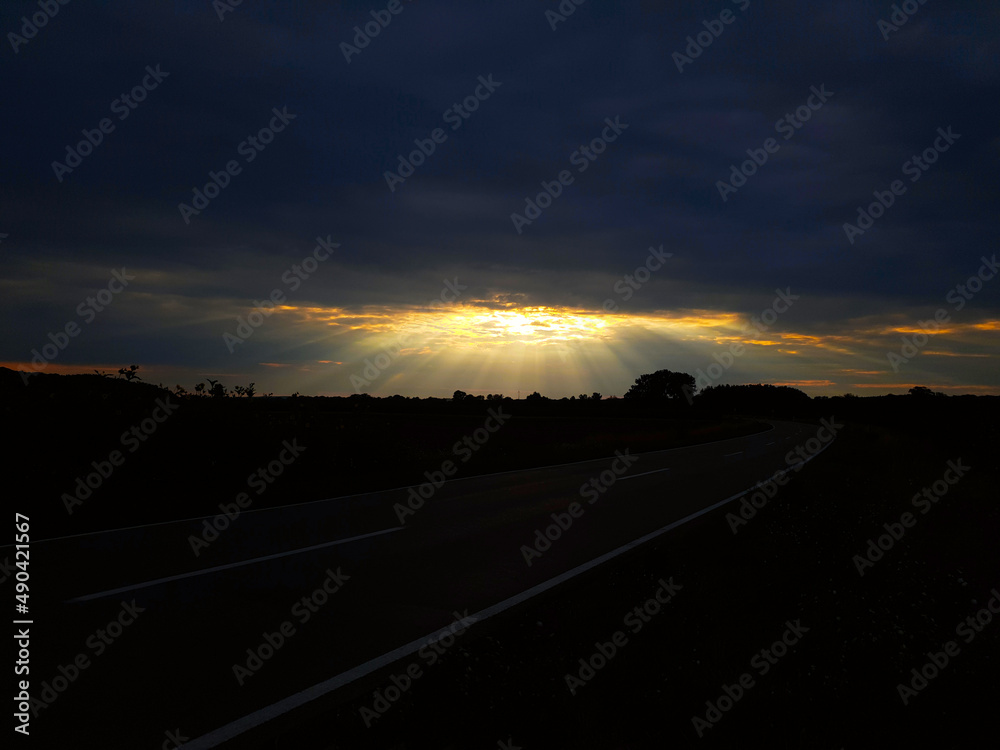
{"x": 142, "y": 641}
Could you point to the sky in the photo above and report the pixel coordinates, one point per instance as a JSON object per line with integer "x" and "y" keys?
{"x": 417, "y": 197}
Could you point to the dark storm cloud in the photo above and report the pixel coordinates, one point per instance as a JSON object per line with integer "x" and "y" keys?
{"x": 655, "y": 184}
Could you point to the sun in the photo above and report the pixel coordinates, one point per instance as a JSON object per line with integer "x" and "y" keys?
{"x": 532, "y": 326}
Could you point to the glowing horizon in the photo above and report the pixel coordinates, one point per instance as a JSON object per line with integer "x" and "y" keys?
{"x": 492, "y": 346}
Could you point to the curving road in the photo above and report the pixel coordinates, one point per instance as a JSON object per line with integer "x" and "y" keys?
{"x": 324, "y": 593}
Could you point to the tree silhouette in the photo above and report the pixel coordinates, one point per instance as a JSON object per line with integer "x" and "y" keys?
{"x": 247, "y": 391}
{"x": 762, "y": 398}
{"x": 129, "y": 373}
{"x": 661, "y": 385}
{"x": 217, "y": 390}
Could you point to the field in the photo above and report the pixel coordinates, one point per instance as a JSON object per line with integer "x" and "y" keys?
{"x": 189, "y": 455}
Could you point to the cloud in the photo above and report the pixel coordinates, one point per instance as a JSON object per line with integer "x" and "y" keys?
{"x": 655, "y": 185}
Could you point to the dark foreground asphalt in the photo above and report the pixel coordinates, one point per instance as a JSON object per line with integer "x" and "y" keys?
{"x": 137, "y": 640}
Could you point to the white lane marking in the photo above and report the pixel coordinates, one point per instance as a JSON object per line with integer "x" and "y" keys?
{"x": 633, "y": 476}
{"x": 771, "y": 443}
{"x": 732, "y": 454}
{"x": 771, "y": 428}
{"x": 225, "y": 733}
{"x": 228, "y": 566}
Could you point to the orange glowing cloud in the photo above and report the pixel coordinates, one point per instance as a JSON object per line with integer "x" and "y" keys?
{"x": 62, "y": 369}
{"x": 937, "y": 353}
{"x": 805, "y": 383}
{"x": 989, "y": 325}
